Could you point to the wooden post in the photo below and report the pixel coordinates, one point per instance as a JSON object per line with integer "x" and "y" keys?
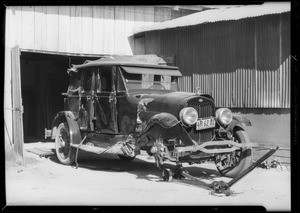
{"x": 17, "y": 108}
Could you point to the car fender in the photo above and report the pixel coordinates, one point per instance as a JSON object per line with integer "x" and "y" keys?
{"x": 170, "y": 127}
{"x": 238, "y": 121}
{"x": 164, "y": 119}
{"x": 75, "y": 135}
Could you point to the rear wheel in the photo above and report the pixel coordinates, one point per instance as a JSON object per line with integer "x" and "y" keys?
{"x": 64, "y": 152}
{"x": 233, "y": 163}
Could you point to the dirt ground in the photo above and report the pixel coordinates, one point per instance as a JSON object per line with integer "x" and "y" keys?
{"x": 104, "y": 180}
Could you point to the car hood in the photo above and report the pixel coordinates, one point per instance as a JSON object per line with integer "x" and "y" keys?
{"x": 171, "y": 102}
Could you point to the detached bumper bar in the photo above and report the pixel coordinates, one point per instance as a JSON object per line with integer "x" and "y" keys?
{"x": 203, "y": 147}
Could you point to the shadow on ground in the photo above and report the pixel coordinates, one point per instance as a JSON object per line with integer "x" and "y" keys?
{"x": 143, "y": 167}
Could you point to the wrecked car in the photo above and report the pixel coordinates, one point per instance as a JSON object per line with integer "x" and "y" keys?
{"x": 121, "y": 106}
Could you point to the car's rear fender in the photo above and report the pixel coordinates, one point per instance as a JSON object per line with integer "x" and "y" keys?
{"x": 63, "y": 116}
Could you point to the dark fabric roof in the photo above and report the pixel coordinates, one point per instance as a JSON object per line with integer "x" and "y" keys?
{"x": 119, "y": 60}
{"x": 147, "y": 70}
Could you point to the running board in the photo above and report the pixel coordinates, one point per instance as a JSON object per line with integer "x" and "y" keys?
{"x": 99, "y": 150}
{"x": 88, "y": 148}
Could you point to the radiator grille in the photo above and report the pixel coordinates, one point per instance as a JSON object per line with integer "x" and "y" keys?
{"x": 204, "y": 110}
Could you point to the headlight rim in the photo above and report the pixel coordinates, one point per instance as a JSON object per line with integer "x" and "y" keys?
{"x": 183, "y": 112}
{"x": 220, "y": 113}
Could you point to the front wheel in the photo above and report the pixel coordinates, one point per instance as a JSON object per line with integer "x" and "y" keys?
{"x": 64, "y": 152}
{"x": 233, "y": 163}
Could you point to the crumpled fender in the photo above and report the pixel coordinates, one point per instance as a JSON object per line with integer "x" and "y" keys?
{"x": 75, "y": 135}
{"x": 238, "y": 121}
{"x": 166, "y": 120}
{"x": 171, "y": 127}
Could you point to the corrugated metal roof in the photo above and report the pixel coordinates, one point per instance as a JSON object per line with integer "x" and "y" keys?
{"x": 216, "y": 15}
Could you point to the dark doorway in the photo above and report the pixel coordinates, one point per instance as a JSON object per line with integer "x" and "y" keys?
{"x": 43, "y": 80}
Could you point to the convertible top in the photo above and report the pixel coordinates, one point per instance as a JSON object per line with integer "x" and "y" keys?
{"x": 129, "y": 65}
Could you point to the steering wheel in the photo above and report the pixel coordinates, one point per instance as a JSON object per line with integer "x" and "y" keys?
{"x": 157, "y": 86}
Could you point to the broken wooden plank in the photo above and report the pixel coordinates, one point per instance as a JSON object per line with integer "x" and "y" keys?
{"x": 41, "y": 152}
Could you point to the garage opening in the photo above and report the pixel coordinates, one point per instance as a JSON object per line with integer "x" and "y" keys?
{"x": 43, "y": 80}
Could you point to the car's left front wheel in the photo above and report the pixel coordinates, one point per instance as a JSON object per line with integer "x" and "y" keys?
{"x": 64, "y": 151}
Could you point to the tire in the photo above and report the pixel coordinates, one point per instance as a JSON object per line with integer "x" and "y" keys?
{"x": 241, "y": 159}
{"x": 167, "y": 175}
{"x": 126, "y": 158}
{"x": 64, "y": 152}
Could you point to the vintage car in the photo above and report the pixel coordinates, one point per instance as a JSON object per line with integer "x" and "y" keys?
{"x": 122, "y": 106}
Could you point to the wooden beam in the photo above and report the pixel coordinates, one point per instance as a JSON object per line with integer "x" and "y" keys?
{"x": 17, "y": 108}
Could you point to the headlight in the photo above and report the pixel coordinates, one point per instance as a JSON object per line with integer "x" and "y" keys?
{"x": 224, "y": 116}
{"x": 188, "y": 116}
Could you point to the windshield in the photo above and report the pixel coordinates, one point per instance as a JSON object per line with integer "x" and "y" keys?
{"x": 148, "y": 81}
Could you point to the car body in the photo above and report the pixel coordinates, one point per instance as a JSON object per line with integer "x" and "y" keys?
{"x": 121, "y": 106}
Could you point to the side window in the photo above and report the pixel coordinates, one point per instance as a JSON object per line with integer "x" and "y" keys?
{"x": 120, "y": 82}
{"x": 133, "y": 77}
{"x": 104, "y": 79}
{"x": 157, "y": 78}
{"x": 74, "y": 83}
{"x": 98, "y": 81}
{"x": 87, "y": 81}
{"x": 174, "y": 79}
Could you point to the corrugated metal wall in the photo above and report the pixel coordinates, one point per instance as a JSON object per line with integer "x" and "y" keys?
{"x": 243, "y": 63}
{"x": 79, "y": 29}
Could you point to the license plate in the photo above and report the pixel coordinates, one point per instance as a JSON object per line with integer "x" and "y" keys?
{"x": 205, "y": 123}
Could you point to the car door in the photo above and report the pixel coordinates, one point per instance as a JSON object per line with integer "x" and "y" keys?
{"x": 105, "y": 100}
{"x": 126, "y": 107}
{"x": 86, "y": 99}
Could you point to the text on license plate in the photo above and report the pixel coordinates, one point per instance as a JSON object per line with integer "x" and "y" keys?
{"x": 205, "y": 123}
